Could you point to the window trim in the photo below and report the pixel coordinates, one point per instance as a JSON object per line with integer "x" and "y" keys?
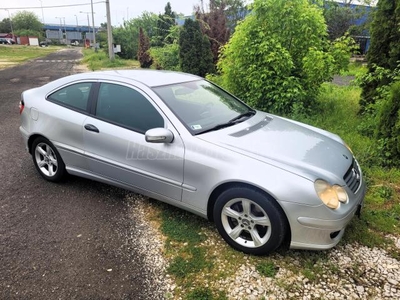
{"x": 130, "y": 86}
{"x": 90, "y": 96}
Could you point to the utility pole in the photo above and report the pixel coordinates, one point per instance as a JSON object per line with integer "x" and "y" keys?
{"x": 12, "y": 30}
{"x": 77, "y": 24}
{"x": 65, "y": 32}
{"x": 60, "y": 28}
{"x": 88, "y": 23}
{"x": 109, "y": 32}
{"x": 79, "y": 35}
{"x": 41, "y": 4}
{"x": 94, "y": 31}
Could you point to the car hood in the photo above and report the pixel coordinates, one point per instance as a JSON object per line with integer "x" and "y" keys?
{"x": 296, "y": 147}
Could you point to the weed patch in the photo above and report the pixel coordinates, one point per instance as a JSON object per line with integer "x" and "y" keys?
{"x": 190, "y": 262}
{"x": 99, "y": 60}
{"x": 267, "y": 268}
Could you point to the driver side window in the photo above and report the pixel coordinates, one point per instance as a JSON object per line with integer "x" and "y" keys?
{"x": 127, "y": 107}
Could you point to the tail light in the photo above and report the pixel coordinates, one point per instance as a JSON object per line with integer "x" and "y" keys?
{"x": 21, "y": 106}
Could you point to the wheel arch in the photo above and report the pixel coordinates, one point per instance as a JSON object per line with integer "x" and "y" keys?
{"x": 31, "y": 140}
{"x": 227, "y": 185}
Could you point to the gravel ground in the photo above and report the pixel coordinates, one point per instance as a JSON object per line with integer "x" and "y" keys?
{"x": 150, "y": 244}
{"x": 352, "y": 272}
{"x": 363, "y": 274}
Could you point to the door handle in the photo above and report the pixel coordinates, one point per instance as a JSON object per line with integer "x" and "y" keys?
{"x": 91, "y": 127}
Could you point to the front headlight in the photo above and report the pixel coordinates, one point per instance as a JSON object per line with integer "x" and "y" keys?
{"x": 330, "y": 195}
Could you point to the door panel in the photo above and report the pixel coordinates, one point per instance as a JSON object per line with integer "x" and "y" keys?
{"x": 124, "y": 155}
{"x": 115, "y": 143}
{"x": 68, "y": 107}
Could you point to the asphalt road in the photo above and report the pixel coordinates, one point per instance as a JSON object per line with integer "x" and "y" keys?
{"x": 70, "y": 240}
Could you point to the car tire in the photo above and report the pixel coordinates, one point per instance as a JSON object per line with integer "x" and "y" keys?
{"x": 47, "y": 160}
{"x": 249, "y": 220}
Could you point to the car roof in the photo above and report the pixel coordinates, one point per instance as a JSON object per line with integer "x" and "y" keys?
{"x": 151, "y": 78}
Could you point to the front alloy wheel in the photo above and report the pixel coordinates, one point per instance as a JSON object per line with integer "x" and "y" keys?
{"x": 246, "y": 222}
{"x": 249, "y": 220}
{"x": 47, "y": 160}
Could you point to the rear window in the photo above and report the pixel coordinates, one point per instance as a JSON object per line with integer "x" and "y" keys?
{"x": 75, "y": 96}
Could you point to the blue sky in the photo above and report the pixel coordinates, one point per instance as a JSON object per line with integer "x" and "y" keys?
{"x": 120, "y": 9}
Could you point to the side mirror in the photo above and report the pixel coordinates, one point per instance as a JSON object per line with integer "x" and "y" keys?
{"x": 159, "y": 135}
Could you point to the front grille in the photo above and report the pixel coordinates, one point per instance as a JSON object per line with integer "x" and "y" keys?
{"x": 353, "y": 177}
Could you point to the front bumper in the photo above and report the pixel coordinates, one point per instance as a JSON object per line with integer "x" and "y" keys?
{"x": 313, "y": 233}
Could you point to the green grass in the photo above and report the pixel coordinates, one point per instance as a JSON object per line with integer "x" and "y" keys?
{"x": 99, "y": 61}
{"x": 190, "y": 261}
{"x": 15, "y": 54}
{"x": 180, "y": 226}
{"x": 355, "y": 69}
{"x": 205, "y": 294}
{"x": 267, "y": 268}
{"x": 184, "y": 249}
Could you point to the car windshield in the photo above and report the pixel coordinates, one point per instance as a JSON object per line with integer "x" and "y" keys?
{"x": 202, "y": 106}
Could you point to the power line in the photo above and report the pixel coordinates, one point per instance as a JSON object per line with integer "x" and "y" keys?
{"x": 54, "y": 6}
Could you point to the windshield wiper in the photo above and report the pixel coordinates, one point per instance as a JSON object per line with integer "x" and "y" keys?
{"x": 230, "y": 122}
{"x": 242, "y": 115}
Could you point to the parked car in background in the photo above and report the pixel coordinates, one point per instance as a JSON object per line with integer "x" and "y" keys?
{"x": 5, "y": 41}
{"x": 44, "y": 44}
{"x": 176, "y": 137}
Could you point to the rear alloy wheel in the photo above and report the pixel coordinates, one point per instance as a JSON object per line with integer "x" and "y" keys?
{"x": 249, "y": 220}
{"x": 47, "y": 160}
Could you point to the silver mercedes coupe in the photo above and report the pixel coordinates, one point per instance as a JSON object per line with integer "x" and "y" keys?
{"x": 263, "y": 179}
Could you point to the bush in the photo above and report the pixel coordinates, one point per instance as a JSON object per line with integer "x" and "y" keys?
{"x": 98, "y": 60}
{"x": 166, "y": 58}
{"x": 384, "y": 51}
{"x": 279, "y": 56}
{"x": 143, "y": 50}
{"x": 388, "y": 130}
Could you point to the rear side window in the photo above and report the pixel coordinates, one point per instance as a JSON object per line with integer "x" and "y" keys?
{"x": 127, "y": 107}
{"x": 75, "y": 96}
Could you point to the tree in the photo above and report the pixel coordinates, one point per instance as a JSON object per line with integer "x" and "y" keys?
{"x": 338, "y": 18}
{"x": 167, "y": 56}
{"x": 194, "y": 50}
{"x": 388, "y": 130}
{"x": 164, "y": 24}
{"x": 213, "y": 25}
{"x": 143, "y": 51}
{"x": 384, "y": 35}
{"x": 5, "y": 25}
{"x": 279, "y": 56}
{"x": 341, "y": 17}
{"x": 27, "y": 23}
{"x": 128, "y": 35}
{"x": 384, "y": 51}
{"x": 235, "y": 11}
{"x": 380, "y": 97}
